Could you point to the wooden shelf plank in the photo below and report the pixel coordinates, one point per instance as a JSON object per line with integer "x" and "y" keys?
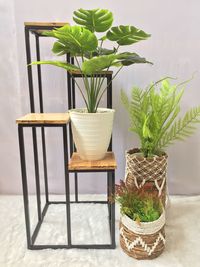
{"x": 42, "y": 118}
{"x": 45, "y": 24}
{"x": 100, "y": 73}
{"x": 39, "y": 27}
{"x": 108, "y": 163}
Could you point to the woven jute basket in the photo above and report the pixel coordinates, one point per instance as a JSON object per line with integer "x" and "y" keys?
{"x": 146, "y": 173}
{"x": 142, "y": 241}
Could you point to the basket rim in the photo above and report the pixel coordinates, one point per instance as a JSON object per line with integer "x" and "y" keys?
{"x": 144, "y": 227}
{"x": 132, "y": 152}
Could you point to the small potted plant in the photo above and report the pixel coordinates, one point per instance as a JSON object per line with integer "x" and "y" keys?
{"x": 142, "y": 222}
{"x": 92, "y": 126}
{"x": 154, "y": 118}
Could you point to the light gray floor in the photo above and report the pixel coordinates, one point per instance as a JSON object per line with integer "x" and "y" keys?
{"x": 90, "y": 225}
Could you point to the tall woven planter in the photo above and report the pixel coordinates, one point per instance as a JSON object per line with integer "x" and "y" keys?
{"x": 142, "y": 241}
{"x": 147, "y": 173}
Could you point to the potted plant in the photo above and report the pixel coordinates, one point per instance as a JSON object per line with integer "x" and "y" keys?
{"x": 154, "y": 118}
{"x": 92, "y": 126}
{"x": 142, "y": 222}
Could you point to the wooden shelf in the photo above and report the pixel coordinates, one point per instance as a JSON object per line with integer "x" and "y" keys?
{"x": 99, "y": 73}
{"x": 39, "y": 27}
{"x": 45, "y": 24}
{"x": 44, "y": 118}
{"x": 108, "y": 163}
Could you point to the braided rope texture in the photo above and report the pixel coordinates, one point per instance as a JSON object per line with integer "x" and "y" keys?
{"x": 144, "y": 172}
{"x": 142, "y": 247}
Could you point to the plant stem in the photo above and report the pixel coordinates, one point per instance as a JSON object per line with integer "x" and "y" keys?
{"x": 107, "y": 86}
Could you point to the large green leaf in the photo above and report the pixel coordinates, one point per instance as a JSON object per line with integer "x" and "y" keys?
{"x": 126, "y": 35}
{"x": 99, "y": 20}
{"x": 96, "y": 64}
{"x": 64, "y": 65}
{"x": 100, "y": 63}
{"x": 127, "y": 59}
{"x": 73, "y": 39}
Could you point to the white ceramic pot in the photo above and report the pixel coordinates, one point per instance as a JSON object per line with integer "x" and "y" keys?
{"x": 92, "y": 132}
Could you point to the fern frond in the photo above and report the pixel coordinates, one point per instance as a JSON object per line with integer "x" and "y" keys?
{"x": 125, "y": 100}
{"x": 182, "y": 128}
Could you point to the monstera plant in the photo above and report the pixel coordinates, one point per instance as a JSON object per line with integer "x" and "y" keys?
{"x": 83, "y": 43}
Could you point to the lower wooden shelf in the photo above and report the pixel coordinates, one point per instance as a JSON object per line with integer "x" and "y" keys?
{"x": 44, "y": 118}
{"x": 107, "y": 163}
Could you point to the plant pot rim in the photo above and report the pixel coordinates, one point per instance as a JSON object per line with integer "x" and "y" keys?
{"x": 100, "y": 111}
{"x": 144, "y": 227}
{"x": 134, "y": 152}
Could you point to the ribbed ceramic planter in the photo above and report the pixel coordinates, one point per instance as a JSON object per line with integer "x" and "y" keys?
{"x": 146, "y": 173}
{"x": 142, "y": 241}
{"x": 92, "y": 132}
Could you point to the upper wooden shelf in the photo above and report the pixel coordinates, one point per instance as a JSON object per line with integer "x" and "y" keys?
{"x": 107, "y": 163}
{"x": 45, "y": 24}
{"x": 44, "y": 118}
{"x": 39, "y": 27}
{"x": 78, "y": 73}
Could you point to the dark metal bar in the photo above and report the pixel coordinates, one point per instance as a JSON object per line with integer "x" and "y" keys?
{"x": 37, "y": 175}
{"x": 69, "y": 88}
{"x": 37, "y": 228}
{"x": 29, "y": 69}
{"x": 39, "y": 74}
{"x": 109, "y": 100}
{"x": 76, "y": 186}
{"x": 74, "y": 148}
{"x": 79, "y": 202}
{"x": 67, "y": 187}
{"x": 42, "y": 124}
{"x": 93, "y": 246}
{"x": 91, "y": 170}
{"x": 109, "y": 180}
{"x": 113, "y": 210}
{"x": 45, "y": 165}
{"x": 73, "y": 88}
{"x": 24, "y": 185}
{"x": 42, "y": 110}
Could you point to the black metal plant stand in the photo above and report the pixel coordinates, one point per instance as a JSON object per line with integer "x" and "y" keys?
{"x": 42, "y": 120}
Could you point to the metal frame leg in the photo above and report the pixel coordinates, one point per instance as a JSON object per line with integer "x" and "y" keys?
{"x": 37, "y": 174}
{"x": 24, "y": 185}
{"x": 76, "y": 186}
{"x": 109, "y": 197}
{"x": 42, "y": 110}
{"x": 109, "y": 101}
{"x": 67, "y": 186}
{"x": 113, "y": 210}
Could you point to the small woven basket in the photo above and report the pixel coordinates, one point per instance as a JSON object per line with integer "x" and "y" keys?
{"x": 144, "y": 241}
{"x": 147, "y": 173}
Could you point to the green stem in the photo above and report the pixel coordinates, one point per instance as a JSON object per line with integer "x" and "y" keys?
{"x": 107, "y": 87}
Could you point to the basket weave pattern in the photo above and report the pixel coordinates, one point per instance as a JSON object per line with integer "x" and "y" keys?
{"x": 146, "y": 172}
{"x": 141, "y": 246}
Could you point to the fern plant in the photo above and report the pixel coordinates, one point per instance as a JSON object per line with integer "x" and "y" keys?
{"x": 154, "y": 116}
{"x": 138, "y": 205}
{"x": 82, "y": 42}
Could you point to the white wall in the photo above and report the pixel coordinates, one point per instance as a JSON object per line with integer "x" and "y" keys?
{"x": 173, "y": 47}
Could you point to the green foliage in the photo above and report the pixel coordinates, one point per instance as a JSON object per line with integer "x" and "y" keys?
{"x": 153, "y": 116}
{"x": 89, "y": 53}
{"x": 64, "y": 65}
{"x": 138, "y": 206}
{"x": 126, "y": 35}
{"x": 96, "y": 20}
{"x": 98, "y": 63}
{"x": 73, "y": 39}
